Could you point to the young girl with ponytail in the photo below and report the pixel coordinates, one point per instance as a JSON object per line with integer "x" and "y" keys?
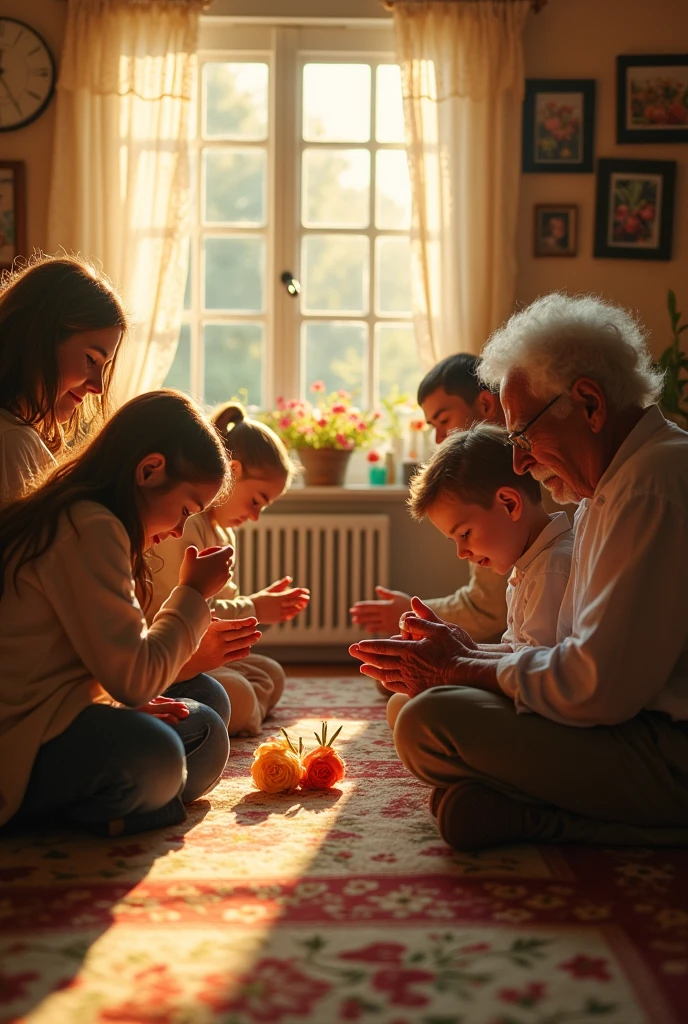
{"x": 261, "y": 471}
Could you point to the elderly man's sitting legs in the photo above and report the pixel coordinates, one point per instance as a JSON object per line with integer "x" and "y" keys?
{"x": 513, "y": 777}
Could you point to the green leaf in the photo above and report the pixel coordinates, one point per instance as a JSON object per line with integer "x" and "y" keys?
{"x": 314, "y": 944}
{"x": 671, "y": 303}
{"x": 682, "y": 329}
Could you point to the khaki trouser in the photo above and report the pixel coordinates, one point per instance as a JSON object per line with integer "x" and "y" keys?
{"x": 624, "y": 784}
{"x": 253, "y": 685}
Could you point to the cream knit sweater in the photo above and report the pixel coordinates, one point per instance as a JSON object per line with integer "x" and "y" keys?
{"x": 72, "y": 633}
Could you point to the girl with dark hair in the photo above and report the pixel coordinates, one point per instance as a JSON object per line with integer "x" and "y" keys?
{"x": 261, "y": 471}
{"x": 78, "y": 664}
{"x": 61, "y": 324}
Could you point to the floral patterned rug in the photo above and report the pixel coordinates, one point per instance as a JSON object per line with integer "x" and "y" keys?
{"x": 341, "y": 906}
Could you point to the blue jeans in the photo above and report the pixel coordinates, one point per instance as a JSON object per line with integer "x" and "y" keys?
{"x": 115, "y": 771}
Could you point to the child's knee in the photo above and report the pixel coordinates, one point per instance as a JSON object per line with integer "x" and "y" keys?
{"x": 396, "y": 702}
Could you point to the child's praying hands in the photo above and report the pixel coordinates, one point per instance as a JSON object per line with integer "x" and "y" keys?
{"x": 280, "y": 602}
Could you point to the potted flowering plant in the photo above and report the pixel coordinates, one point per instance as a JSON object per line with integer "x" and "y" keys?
{"x": 324, "y": 432}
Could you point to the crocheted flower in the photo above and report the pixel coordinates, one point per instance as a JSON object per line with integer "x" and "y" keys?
{"x": 276, "y": 768}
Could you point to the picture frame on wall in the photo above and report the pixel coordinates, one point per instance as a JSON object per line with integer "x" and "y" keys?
{"x": 555, "y": 231}
{"x": 634, "y": 209}
{"x": 652, "y": 98}
{"x": 12, "y": 211}
{"x": 558, "y": 126}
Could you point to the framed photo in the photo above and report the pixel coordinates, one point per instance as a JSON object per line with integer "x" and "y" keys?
{"x": 12, "y": 212}
{"x": 556, "y": 230}
{"x": 652, "y": 98}
{"x": 558, "y": 125}
{"x": 635, "y": 209}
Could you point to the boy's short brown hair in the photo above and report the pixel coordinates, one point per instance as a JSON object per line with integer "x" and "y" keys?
{"x": 470, "y": 465}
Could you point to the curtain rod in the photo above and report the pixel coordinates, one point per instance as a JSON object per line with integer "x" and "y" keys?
{"x": 389, "y": 5}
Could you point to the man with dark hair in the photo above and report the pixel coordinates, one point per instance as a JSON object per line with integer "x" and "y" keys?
{"x": 452, "y": 397}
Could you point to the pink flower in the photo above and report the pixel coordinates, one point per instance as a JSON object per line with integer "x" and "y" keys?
{"x": 396, "y": 982}
{"x": 281, "y": 404}
{"x": 377, "y": 953}
{"x": 587, "y": 967}
{"x": 322, "y": 422}
{"x": 293, "y": 403}
{"x": 318, "y": 385}
{"x": 343, "y": 393}
{"x": 361, "y": 425}
{"x": 525, "y": 997}
{"x": 338, "y": 407}
{"x": 353, "y": 416}
{"x": 344, "y": 441}
{"x": 373, "y": 456}
{"x": 377, "y": 415}
{"x": 417, "y": 425}
{"x": 285, "y": 421}
{"x": 270, "y": 991}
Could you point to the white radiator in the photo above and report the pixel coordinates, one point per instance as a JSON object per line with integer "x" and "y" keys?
{"x": 339, "y": 558}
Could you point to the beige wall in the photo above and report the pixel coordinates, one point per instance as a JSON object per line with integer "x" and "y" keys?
{"x": 569, "y": 38}
{"x": 580, "y": 39}
{"x": 34, "y": 143}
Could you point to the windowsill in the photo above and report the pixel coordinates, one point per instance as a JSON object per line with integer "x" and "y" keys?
{"x": 350, "y": 492}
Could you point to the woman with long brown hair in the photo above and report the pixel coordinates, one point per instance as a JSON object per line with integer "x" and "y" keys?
{"x": 76, "y": 656}
{"x": 61, "y": 327}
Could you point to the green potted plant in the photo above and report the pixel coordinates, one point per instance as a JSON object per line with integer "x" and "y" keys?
{"x": 674, "y": 362}
{"x": 323, "y": 433}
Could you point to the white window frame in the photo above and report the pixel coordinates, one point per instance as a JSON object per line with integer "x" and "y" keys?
{"x": 284, "y": 46}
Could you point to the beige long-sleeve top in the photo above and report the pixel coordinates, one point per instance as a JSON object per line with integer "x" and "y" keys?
{"x": 72, "y": 634}
{"x": 201, "y": 531}
{"x": 623, "y": 626}
{"x": 23, "y": 457}
{"x": 537, "y": 585}
{"x": 479, "y": 607}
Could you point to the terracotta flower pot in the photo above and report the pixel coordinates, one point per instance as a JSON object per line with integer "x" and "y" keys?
{"x": 324, "y": 467}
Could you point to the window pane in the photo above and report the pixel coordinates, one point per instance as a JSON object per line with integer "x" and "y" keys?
{"x": 335, "y": 271}
{"x": 235, "y": 100}
{"x": 336, "y": 354}
{"x": 179, "y": 373}
{"x": 234, "y": 270}
{"x": 397, "y": 359}
{"x": 389, "y": 109}
{"x": 336, "y": 102}
{"x": 392, "y": 190}
{"x": 233, "y": 361}
{"x": 187, "y": 286}
{"x": 336, "y": 188}
{"x": 393, "y": 275}
{"x": 234, "y": 181}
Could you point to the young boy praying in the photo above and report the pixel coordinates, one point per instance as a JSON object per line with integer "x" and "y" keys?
{"x": 471, "y": 493}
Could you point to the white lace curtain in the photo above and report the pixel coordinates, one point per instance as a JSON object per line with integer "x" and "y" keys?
{"x": 463, "y": 81}
{"x": 120, "y": 189}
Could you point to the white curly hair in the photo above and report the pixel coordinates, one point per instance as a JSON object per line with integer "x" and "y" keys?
{"x": 559, "y": 338}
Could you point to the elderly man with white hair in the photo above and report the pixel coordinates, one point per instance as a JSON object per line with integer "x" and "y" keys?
{"x": 586, "y": 741}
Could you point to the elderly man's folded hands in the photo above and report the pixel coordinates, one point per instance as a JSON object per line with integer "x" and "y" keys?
{"x": 427, "y": 652}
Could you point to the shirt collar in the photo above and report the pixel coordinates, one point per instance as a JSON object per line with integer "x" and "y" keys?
{"x": 651, "y": 421}
{"x": 558, "y": 524}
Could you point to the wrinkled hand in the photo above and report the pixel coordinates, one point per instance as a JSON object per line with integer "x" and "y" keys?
{"x": 279, "y": 602}
{"x": 429, "y": 655}
{"x": 224, "y": 640}
{"x": 420, "y": 610}
{"x": 381, "y": 616}
{"x": 166, "y": 709}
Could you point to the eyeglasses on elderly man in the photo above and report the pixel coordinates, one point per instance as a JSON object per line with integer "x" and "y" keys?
{"x": 519, "y": 439}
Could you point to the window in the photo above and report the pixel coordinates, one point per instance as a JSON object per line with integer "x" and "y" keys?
{"x": 299, "y": 166}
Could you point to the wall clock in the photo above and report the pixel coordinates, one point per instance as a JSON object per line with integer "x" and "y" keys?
{"x": 27, "y": 75}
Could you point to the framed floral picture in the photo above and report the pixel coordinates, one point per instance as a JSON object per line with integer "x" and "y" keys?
{"x": 558, "y": 125}
{"x": 12, "y": 212}
{"x": 556, "y": 230}
{"x": 652, "y": 98}
{"x": 635, "y": 209}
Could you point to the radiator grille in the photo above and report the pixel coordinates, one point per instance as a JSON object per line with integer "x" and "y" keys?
{"x": 339, "y": 558}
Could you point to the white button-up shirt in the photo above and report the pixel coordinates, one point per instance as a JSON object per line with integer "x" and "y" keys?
{"x": 623, "y": 626}
{"x": 537, "y": 585}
